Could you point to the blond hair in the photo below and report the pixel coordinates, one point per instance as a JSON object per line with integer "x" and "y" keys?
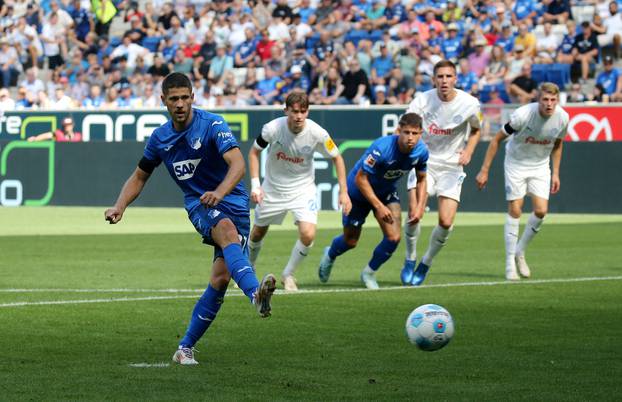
{"x": 549, "y": 88}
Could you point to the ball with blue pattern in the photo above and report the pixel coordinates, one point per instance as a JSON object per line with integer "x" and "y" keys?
{"x": 430, "y": 327}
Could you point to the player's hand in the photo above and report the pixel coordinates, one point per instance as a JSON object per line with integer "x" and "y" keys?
{"x": 385, "y": 214}
{"x": 113, "y": 215}
{"x": 465, "y": 158}
{"x": 481, "y": 179}
{"x": 555, "y": 184}
{"x": 257, "y": 195}
{"x": 345, "y": 203}
{"x": 211, "y": 198}
{"x": 415, "y": 216}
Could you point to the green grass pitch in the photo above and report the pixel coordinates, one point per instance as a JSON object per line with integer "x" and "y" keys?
{"x": 90, "y": 311}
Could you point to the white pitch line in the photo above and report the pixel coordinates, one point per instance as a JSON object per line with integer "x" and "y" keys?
{"x": 148, "y": 365}
{"x": 113, "y": 290}
{"x": 320, "y": 291}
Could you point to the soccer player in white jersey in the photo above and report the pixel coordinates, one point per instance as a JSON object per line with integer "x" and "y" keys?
{"x": 536, "y": 132}
{"x": 289, "y": 182}
{"x": 451, "y": 130}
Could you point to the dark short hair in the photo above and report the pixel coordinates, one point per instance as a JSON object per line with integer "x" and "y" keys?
{"x": 175, "y": 80}
{"x": 411, "y": 119}
{"x": 298, "y": 97}
{"x": 444, "y": 63}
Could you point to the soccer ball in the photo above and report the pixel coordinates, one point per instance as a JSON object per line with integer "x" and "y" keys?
{"x": 430, "y": 327}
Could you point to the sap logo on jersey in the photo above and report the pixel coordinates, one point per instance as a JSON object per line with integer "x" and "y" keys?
{"x": 394, "y": 174}
{"x": 184, "y": 170}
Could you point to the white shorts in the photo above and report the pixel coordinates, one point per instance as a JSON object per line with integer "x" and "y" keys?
{"x": 274, "y": 207}
{"x": 445, "y": 181}
{"x": 522, "y": 181}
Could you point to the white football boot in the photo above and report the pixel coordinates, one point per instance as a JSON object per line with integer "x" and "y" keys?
{"x": 369, "y": 279}
{"x": 185, "y": 356}
{"x": 289, "y": 283}
{"x": 510, "y": 270}
{"x": 523, "y": 268}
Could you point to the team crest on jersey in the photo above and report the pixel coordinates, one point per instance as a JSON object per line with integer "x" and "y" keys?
{"x": 329, "y": 144}
{"x": 306, "y": 149}
{"x": 184, "y": 170}
{"x": 370, "y": 161}
{"x": 196, "y": 144}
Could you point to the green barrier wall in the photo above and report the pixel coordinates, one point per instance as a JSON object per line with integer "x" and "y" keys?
{"x": 49, "y": 173}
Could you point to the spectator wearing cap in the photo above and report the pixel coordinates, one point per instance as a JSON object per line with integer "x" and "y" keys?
{"x": 64, "y": 134}
{"x": 613, "y": 30}
{"x": 283, "y": 11}
{"x": 380, "y": 95}
{"x": 558, "y": 12}
{"x": 466, "y": 79}
{"x": 523, "y": 89}
{"x": 547, "y": 45}
{"x": 381, "y": 66}
{"x": 585, "y": 50}
{"x": 515, "y": 63}
{"x": 299, "y": 80}
{"x": 506, "y": 38}
{"x": 564, "y": 50}
{"x": 610, "y": 79}
{"x": 452, "y": 12}
{"x": 526, "y": 39}
{"x": 501, "y": 16}
{"x": 126, "y": 99}
{"x": 479, "y": 59}
{"x": 6, "y": 103}
{"x": 9, "y": 61}
{"x": 451, "y": 46}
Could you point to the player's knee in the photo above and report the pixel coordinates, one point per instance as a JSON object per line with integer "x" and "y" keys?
{"x": 220, "y": 280}
{"x": 307, "y": 239}
{"x": 445, "y": 223}
{"x": 394, "y": 238}
{"x": 540, "y": 212}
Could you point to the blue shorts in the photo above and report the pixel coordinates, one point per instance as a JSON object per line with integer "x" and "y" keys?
{"x": 204, "y": 219}
{"x": 360, "y": 210}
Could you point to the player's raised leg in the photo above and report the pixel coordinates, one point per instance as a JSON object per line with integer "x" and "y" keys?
{"x": 447, "y": 209}
{"x": 306, "y": 232}
{"x": 204, "y": 313}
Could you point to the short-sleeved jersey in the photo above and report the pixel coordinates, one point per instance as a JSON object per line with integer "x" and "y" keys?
{"x": 289, "y": 166}
{"x": 532, "y": 136}
{"x": 446, "y": 125}
{"x": 194, "y": 159}
{"x": 385, "y": 164}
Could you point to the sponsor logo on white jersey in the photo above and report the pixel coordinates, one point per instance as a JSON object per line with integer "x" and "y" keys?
{"x": 292, "y": 159}
{"x": 184, "y": 170}
{"x": 534, "y": 140}
{"x": 436, "y": 130}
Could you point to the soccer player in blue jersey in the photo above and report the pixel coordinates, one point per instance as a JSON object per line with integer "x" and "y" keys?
{"x": 372, "y": 187}
{"x": 203, "y": 158}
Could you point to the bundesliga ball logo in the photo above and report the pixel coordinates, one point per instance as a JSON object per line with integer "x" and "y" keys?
{"x": 430, "y": 327}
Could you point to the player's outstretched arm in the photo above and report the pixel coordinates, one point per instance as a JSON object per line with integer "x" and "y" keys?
{"x": 493, "y": 147}
{"x": 556, "y": 159}
{"x": 344, "y": 199}
{"x": 417, "y": 199}
{"x": 237, "y": 168}
{"x": 253, "y": 167}
{"x": 129, "y": 192}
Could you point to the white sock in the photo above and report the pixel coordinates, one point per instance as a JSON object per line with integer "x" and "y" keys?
{"x": 510, "y": 233}
{"x": 411, "y": 234}
{"x": 253, "y": 250}
{"x": 368, "y": 270}
{"x": 437, "y": 241}
{"x": 299, "y": 252}
{"x": 531, "y": 229}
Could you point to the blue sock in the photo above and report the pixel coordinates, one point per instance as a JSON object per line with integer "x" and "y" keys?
{"x": 202, "y": 316}
{"x": 382, "y": 253}
{"x": 338, "y": 247}
{"x": 240, "y": 269}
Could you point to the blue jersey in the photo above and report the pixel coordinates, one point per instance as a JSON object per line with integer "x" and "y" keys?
{"x": 385, "y": 164}
{"x": 194, "y": 159}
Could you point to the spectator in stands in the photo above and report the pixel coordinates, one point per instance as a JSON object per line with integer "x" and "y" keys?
{"x": 324, "y": 49}
{"x": 64, "y": 134}
{"x": 24, "y": 100}
{"x": 558, "y": 12}
{"x": 182, "y": 64}
{"x": 267, "y": 89}
{"x": 380, "y": 95}
{"x": 306, "y": 12}
{"x": 585, "y": 50}
{"x": 150, "y": 98}
{"x": 126, "y": 98}
{"x": 564, "y": 51}
{"x": 159, "y": 68}
{"x": 130, "y": 50}
{"x": 526, "y": 39}
{"x": 427, "y": 61}
{"x": 355, "y": 87}
{"x": 262, "y": 13}
{"x": 364, "y": 56}
{"x": 598, "y": 95}
{"x": 523, "y": 10}
{"x": 495, "y": 71}
{"x": 516, "y": 63}
{"x": 53, "y": 38}
{"x": 61, "y": 100}
{"x": 299, "y": 80}
{"x": 434, "y": 41}
{"x": 95, "y": 99}
{"x": 27, "y": 43}
{"x": 492, "y": 112}
{"x": 400, "y": 88}
{"x": 547, "y": 45}
{"x": 451, "y": 46}
{"x": 394, "y": 14}
{"x": 9, "y": 62}
{"x": 466, "y": 79}
{"x": 452, "y": 13}
{"x": 507, "y": 38}
{"x": 613, "y": 30}
{"x": 523, "y": 89}
{"x": 480, "y": 58}
{"x": 6, "y": 103}
{"x": 322, "y": 12}
{"x": 576, "y": 95}
{"x": 246, "y": 53}
{"x": 381, "y": 66}
{"x": 264, "y": 45}
{"x": 611, "y": 80}
{"x": 31, "y": 82}
{"x": 165, "y": 18}
{"x": 137, "y": 31}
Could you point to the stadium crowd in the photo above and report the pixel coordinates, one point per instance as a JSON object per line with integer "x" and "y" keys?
{"x": 72, "y": 53}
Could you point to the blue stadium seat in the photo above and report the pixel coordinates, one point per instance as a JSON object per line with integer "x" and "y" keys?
{"x": 375, "y": 35}
{"x": 355, "y": 36}
{"x": 559, "y": 74}
{"x": 539, "y": 72}
{"x": 152, "y": 43}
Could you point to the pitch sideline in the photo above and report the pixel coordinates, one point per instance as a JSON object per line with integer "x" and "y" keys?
{"x": 279, "y": 292}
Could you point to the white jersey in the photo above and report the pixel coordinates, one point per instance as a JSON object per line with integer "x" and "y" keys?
{"x": 289, "y": 166}
{"x": 532, "y": 136}
{"x": 446, "y": 125}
